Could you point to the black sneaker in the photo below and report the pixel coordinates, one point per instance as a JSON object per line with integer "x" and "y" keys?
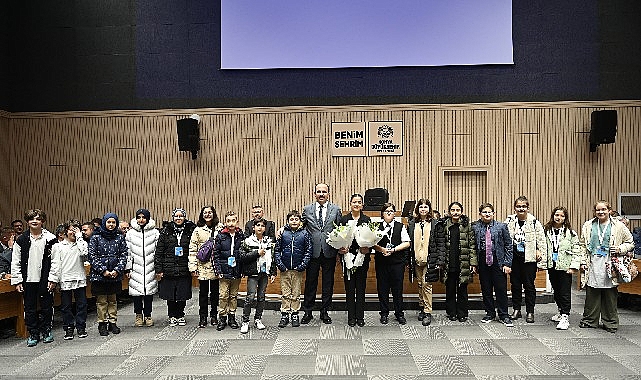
{"x": 203, "y": 322}
{"x": 82, "y": 333}
{"x": 487, "y": 319}
{"x": 284, "y": 320}
{"x": 507, "y": 321}
{"x": 68, "y": 333}
{"x": 295, "y": 320}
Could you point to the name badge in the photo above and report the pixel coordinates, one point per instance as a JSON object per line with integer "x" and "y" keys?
{"x": 555, "y": 256}
{"x": 178, "y": 251}
{"x": 231, "y": 261}
{"x": 520, "y": 247}
{"x": 601, "y": 251}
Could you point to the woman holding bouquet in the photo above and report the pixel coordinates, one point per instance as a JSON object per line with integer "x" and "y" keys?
{"x": 355, "y": 262}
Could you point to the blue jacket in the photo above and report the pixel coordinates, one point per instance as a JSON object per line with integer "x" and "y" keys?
{"x": 501, "y": 242}
{"x": 223, "y": 250}
{"x": 293, "y": 250}
{"x": 106, "y": 254}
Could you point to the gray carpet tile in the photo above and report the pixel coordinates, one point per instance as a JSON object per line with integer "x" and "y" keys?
{"x": 444, "y": 350}
{"x": 340, "y": 365}
{"x": 445, "y": 365}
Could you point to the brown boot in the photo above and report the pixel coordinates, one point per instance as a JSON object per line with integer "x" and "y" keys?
{"x": 139, "y": 321}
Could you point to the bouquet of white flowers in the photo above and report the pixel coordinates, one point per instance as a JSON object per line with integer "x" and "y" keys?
{"x": 367, "y": 235}
{"x": 341, "y": 236}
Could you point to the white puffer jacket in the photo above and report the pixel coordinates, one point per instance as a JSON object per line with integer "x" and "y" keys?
{"x": 140, "y": 261}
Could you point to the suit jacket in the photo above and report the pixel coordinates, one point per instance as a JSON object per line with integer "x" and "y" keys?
{"x": 319, "y": 233}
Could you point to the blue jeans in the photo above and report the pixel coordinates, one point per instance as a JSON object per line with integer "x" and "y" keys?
{"x": 68, "y": 319}
{"x": 256, "y": 286}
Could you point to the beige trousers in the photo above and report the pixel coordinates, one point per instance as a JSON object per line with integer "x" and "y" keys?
{"x": 227, "y": 295}
{"x": 107, "y": 308}
{"x": 424, "y": 290}
{"x": 290, "y": 285}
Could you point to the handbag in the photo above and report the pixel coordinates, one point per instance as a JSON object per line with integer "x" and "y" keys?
{"x": 625, "y": 267}
{"x": 204, "y": 252}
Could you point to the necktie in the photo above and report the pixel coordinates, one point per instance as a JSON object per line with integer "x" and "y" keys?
{"x": 320, "y": 215}
{"x": 488, "y": 247}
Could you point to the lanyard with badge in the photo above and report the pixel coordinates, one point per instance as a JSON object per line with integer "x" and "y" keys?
{"x": 231, "y": 260}
{"x": 520, "y": 238}
{"x": 601, "y": 250}
{"x": 555, "y": 237}
{"x": 178, "y": 250}
{"x": 389, "y": 236}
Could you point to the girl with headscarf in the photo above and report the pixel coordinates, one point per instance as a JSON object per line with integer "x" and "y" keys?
{"x": 172, "y": 265}
{"x": 141, "y": 239}
{"x": 107, "y": 254}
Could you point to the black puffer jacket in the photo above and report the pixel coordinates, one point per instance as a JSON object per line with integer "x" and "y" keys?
{"x": 165, "y": 259}
{"x": 467, "y": 245}
{"x": 436, "y": 250}
{"x": 223, "y": 250}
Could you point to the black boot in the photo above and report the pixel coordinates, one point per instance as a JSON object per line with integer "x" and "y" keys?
{"x": 231, "y": 321}
{"x": 113, "y": 328}
{"x": 102, "y": 329}
{"x": 222, "y": 322}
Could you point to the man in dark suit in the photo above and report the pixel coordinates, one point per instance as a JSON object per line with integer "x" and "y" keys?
{"x": 258, "y": 213}
{"x": 319, "y": 218}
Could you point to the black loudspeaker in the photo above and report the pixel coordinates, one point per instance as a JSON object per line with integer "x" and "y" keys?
{"x": 603, "y": 128}
{"x": 188, "y": 136}
{"x": 375, "y": 199}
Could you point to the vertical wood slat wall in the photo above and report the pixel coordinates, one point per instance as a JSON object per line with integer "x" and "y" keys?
{"x": 83, "y": 164}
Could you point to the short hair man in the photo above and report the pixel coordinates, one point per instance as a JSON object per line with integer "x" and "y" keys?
{"x": 87, "y": 230}
{"x": 17, "y": 226}
{"x": 319, "y": 218}
{"x": 124, "y": 227}
{"x": 258, "y": 214}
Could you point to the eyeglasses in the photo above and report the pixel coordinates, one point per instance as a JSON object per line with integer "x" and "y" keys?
{"x": 389, "y": 211}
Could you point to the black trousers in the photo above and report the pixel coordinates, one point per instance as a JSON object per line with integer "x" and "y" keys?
{"x": 355, "y": 292}
{"x": 208, "y": 295}
{"x": 522, "y": 277}
{"x": 35, "y": 322}
{"x": 68, "y": 319}
{"x": 142, "y": 304}
{"x": 456, "y": 300}
{"x": 176, "y": 309}
{"x": 328, "y": 266}
{"x": 562, "y": 285}
{"x": 390, "y": 276}
{"x": 493, "y": 279}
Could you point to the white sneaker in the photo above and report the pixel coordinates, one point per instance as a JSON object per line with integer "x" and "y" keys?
{"x": 173, "y": 321}
{"x": 556, "y": 317}
{"x": 259, "y": 324}
{"x": 564, "y": 323}
{"x": 244, "y": 328}
{"x": 181, "y": 321}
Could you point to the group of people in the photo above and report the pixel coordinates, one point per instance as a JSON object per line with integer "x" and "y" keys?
{"x": 451, "y": 249}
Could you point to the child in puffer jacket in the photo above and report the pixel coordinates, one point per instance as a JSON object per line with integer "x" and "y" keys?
{"x": 293, "y": 251}
{"x": 227, "y": 265}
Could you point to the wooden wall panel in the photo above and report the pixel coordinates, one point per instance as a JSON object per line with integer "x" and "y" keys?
{"x": 83, "y": 164}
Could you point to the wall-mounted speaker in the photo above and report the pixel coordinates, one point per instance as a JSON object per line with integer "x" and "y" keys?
{"x": 188, "y": 135}
{"x": 375, "y": 199}
{"x": 603, "y": 128}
